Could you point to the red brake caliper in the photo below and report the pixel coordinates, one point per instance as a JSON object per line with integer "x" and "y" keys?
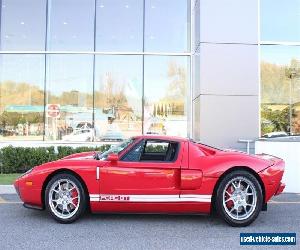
{"x": 229, "y": 204}
{"x": 73, "y": 195}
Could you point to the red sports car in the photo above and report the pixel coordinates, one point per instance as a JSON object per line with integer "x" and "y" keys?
{"x": 155, "y": 174}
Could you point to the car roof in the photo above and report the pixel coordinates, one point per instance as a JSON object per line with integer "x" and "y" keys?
{"x": 161, "y": 137}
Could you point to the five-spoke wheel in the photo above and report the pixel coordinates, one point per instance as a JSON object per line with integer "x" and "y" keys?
{"x": 239, "y": 198}
{"x": 65, "y": 198}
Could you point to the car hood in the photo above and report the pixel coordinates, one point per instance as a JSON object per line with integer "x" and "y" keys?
{"x": 80, "y": 156}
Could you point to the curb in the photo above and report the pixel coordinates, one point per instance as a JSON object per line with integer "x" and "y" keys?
{"x": 7, "y": 189}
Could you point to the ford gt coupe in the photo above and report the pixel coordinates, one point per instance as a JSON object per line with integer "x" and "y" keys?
{"x": 155, "y": 174}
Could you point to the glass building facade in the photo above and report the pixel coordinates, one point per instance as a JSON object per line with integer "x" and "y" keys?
{"x": 280, "y": 67}
{"x": 94, "y": 70}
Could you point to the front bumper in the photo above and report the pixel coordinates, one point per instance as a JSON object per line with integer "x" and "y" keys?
{"x": 29, "y": 194}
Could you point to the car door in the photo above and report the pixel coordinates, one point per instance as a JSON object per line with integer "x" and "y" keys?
{"x": 149, "y": 172}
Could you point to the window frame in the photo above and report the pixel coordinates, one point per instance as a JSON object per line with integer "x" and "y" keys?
{"x": 144, "y": 143}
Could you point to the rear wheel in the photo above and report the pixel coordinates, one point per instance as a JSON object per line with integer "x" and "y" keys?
{"x": 239, "y": 198}
{"x": 65, "y": 198}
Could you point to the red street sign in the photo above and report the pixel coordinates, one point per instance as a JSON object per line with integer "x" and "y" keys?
{"x": 53, "y": 110}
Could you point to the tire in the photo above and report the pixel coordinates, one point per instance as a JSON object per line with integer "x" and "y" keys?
{"x": 60, "y": 198}
{"x": 239, "y": 198}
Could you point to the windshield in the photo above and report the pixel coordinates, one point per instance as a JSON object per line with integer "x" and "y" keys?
{"x": 115, "y": 149}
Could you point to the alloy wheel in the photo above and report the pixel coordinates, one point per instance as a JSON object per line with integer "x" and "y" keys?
{"x": 64, "y": 198}
{"x": 239, "y": 198}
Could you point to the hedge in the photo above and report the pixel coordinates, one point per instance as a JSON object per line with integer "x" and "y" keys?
{"x": 20, "y": 159}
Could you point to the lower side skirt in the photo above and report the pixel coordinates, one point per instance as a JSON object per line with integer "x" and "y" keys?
{"x": 150, "y": 208}
{"x": 153, "y": 213}
{"x": 32, "y": 206}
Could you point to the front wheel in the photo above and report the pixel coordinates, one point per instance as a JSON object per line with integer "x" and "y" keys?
{"x": 65, "y": 198}
{"x": 239, "y": 198}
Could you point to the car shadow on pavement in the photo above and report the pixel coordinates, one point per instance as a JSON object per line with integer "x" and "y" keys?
{"x": 133, "y": 218}
{"x": 283, "y": 205}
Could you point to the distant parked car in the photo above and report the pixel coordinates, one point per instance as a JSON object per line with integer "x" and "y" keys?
{"x": 7, "y": 132}
{"x": 84, "y": 125}
{"x": 275, "y": 134}
{"x": 112, "y": 135}
{"x": 80, "y": 135}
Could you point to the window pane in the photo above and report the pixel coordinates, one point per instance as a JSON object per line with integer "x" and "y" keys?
{"x": 156, "y": 147}
{"x": 21, "y": 97}
{"x": 20, "y": 28}
{"x": 280, "y": 20}
{"x": 134, "y": 154}
{"x": 119, "y": 25}
{"x": 118, "y": 97}
{"x": 167, "y": 26}
{"x": 71, "y": 25}
{"x": 166, "y": 90}
{"x": 280, "y": 90}
{"x": 69, "y": 98}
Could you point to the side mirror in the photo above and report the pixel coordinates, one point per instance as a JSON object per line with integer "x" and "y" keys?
{"x": 113, "y": 157}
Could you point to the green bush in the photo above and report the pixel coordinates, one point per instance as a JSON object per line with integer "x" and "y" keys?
{"x": 64, "y": 151}
{"x": 20, "y": 159}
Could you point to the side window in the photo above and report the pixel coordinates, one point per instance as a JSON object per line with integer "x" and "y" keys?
{"x": 156, "y": 147}
{"x": 135, "y": 153}
{"x": 156, "y": 150}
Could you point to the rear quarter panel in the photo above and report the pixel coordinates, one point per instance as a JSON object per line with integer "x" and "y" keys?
{"x": 213, "y": 166}
{"x": 216, "y": 164}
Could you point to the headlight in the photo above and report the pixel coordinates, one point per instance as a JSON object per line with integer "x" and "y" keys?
{"x": 27, "y": 172}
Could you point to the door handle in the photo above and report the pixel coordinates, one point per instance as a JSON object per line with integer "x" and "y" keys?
{"x": 97, "y": 173}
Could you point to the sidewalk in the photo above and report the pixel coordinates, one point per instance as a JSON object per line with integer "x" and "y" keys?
{"x": 7, "y": 189}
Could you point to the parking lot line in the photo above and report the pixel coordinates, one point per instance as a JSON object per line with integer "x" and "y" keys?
{"x": 3, "y": 201}
{"x": 284, "y": 202}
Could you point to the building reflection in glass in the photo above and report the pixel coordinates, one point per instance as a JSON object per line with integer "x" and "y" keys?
{"x": 280, "y": 90}
{"x": 77, "y": 70}
{"x": 69, "y": 86}
{"x": 21, "y": 97}
{"x": 118, "y": 95}
{"x": 166, "y": 86}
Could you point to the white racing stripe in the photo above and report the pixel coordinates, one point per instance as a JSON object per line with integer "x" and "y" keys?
{"x": 94, "y": 195}
{"x": 150, "y": 198}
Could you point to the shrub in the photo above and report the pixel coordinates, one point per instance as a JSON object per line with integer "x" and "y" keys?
{"x": 64, "y": 151}
{"x": 20, "y": 159}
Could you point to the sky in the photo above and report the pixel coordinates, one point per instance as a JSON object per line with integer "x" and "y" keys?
{"x": 280, "y": 20}
{"x": 119, "y": 25}
{"x": 279, "y": 54}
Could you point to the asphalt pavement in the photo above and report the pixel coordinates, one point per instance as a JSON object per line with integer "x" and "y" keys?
{"x": 22, "y": 228}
